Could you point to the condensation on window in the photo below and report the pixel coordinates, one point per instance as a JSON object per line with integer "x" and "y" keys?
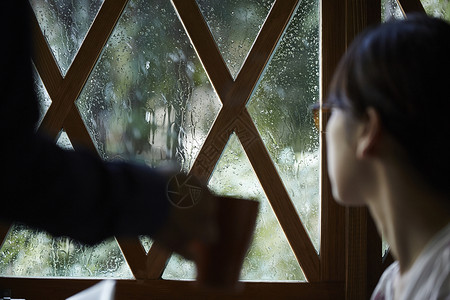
{"x": 148, "y": 98}
{"x": 28, "y": 252}
{"x": 42, "y": 96}
{"x": 281, "y": 110}
{"x": 179, "y": 268}
{"x": 270, "y": 257}
{"x": 63, "y": 141}
{"x": 31, "y": 253}
{"x": 390, "y": 10}
{"x": 146, "y": 242}
{"x": 384, "y": 246}
{"x": 234, "y": 25}
{"x": 65, "y": 25}
{"x": 437, "y": 8}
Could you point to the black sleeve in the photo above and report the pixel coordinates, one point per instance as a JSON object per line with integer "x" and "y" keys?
{"x": 78, "y": 195}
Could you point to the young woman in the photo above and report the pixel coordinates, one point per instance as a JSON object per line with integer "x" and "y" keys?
{"x": 387, "y": 148}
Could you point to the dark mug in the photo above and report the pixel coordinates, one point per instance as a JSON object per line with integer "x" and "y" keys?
{"x": 219, "y": 264}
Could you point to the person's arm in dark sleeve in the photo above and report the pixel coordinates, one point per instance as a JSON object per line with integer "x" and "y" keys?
{"x": 79, "y": 195}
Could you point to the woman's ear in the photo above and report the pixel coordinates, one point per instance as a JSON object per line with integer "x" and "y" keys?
{"x": 369, "y": 135}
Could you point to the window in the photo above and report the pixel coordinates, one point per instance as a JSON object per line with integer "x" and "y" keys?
{"x": 148, "y": 98}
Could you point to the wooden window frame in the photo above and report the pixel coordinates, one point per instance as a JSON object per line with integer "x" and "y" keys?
{"x": 349, "y": 263}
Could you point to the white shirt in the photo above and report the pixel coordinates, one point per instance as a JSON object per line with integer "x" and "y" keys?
{"x": 428, "y": 278}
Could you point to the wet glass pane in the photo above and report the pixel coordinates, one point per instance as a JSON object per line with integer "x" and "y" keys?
{"x": 280, "y": 108}
{"x": 384, "y": 246}
{"x": 437, "y": 8}
{"x": 64, "y": 141}
{"x": 65, "y": 25}
{"x": 235, "y": 25}
{"x": 31, "y": 253}
{"x": 41, "y": 95}
{"x": 179, "y": 268}
{"x": 390, "y": 9}
{"x": 148, "y": 98}
{"x": 146, "y": 242}
{"x": 270, "y": 257}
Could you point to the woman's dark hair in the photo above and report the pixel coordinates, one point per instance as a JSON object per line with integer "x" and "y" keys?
{"x": 401, "y": 69}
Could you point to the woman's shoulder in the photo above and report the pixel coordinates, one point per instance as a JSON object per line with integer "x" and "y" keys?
{"x": 430, "y": 274}
{"x": 428, "y": 278}
{"x": 384, "y": 289}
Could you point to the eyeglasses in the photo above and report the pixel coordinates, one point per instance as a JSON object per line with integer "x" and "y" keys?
{"x": 326, "y": 112}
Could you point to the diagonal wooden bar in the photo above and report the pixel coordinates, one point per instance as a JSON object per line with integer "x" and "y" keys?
{"x": 233, "y": 116}
{"x": 281, "y": 203}
{"x": 135, "y": 255}
{"x": 71, "y": 86}
{"x": 204, "y": 44}
{"x": 156, "y": 261}
{"x": 77, "y": 132}
{"x": 64, "y": 91}
{"x": 51, "y": 77}
{"x": 5, "y": 226}
{"x": 43, "y": 58}
{"x": 233, "y": 95}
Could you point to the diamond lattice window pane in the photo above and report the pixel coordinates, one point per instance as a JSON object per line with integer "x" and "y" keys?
{"x": 270, "y": 256}
{"x": 146, "y": 242}
{"x": 234, "y": 25}
{"x": 437, "y": 8}
{"x": 30, "y": 253}
{"x": 65, "y": 25}
{"x": 281, "y": 110}
{"x": 64, "y": 141}
{"x": 42, "y": 96}
{"x": 390, "y": 9}
{"x": 179, "y": 268}
{"x": 148, "y": 98}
